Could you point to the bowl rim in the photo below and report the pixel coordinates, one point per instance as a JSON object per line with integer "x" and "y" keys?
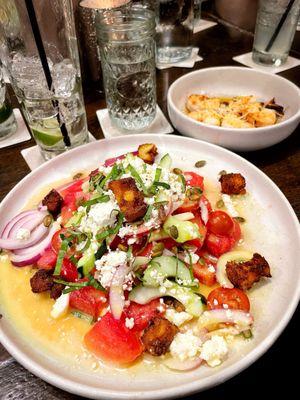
{"x": 67, "y": 384}
{"x": 269, "y": 128}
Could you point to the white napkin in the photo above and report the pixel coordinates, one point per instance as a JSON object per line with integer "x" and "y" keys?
{"x": 246, "y": 59}
{"x": 160, "y": 124}
{"x": 188, "y": 63}
{"x": 202, "y": 24}
{"x": 34, "y": 158}
{"x": 21, "y": 134}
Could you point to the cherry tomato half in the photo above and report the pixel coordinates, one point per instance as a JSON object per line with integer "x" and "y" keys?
{"x": 220, "y": 223}
{"x": 235, "y": 299}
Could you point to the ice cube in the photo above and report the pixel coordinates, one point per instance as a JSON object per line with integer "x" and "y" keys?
{"x": 63, "y": 78}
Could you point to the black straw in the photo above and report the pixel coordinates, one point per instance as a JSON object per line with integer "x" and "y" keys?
{"x": 279, "y": 26}
{"x": 44, "y": 61}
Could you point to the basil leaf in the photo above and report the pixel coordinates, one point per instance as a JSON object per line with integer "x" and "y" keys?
{"x": 137, "y": 177}
{"x": 147, "y": 216}
{"x": 162, "y": 184}
{"x": 62, "y": 252}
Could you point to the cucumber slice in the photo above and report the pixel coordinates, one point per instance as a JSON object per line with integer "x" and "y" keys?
{"x": 166, "y": 161}
{"x": 87, "y": 261}
{"x": 238, "y": 256}
{"x": 74, "y": 220}
{"x": 181, "y": 231}
{"x": 159, "y": 234}
{"x": 164, "y": 267}
{"x": 191, "y": 301}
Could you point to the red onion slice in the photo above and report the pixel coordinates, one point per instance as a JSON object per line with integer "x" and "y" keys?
{"x": 29, "y": 222}
{"x": 111, "y": 161}
{"x": 237, "y": 317}
{"x": 14, "y": 244}
{"x": 13, "y": 221}
{"x": 186, "y": 365}
{"x": 31, "y": 254}
{"x": 116, "y": 292}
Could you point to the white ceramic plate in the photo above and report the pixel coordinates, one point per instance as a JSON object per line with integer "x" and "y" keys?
{"x": 281, "y": 293}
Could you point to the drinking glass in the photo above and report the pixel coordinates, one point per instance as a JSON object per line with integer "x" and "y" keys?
{"x": 127, "y": 48}
{"x": 275, "y": 29}
{"x": 8, "y": 123}
{"x": 41, "y": 56}
{"x": 174, "y": 30}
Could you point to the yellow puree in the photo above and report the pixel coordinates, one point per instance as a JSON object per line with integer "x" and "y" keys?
{"x": 30, "y": 313}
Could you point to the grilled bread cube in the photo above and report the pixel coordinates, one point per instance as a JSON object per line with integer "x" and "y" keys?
{"x": 129, "y": 198}
{"x": 233, "y": 184}
{"x": 147, "y": 152}
{"x": 158, "y": 336}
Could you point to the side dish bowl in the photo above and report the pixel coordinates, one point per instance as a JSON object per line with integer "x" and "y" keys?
{"x": 233, "y": 81}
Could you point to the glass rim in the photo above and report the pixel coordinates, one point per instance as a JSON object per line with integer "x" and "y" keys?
{"x": 142, "y": 18}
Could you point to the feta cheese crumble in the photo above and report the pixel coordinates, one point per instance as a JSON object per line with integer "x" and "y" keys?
{"x": 129, "y": 323}
{"x": 60, "y": 307}
{"x": 99, "y": 216}
{"x": 106, "y": 266}
{"x": 229, "y": 205}
{"x": 177, "y": 318}
{"x": 185, "y": 345}
{"x": 214, "y": 350}
{"x": 23, "y": 234}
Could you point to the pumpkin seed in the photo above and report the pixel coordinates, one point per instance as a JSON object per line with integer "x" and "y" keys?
{"x": 177, "y": 171}
{"x": 194, "y": 193}
{"x": 200, "y": 164}
{"x": 47, "y": 220}
{"x": 77, "y": 176}
{"x": 240, "y": 219}
{"x": 223, "y": 172}
{"x": 174, "y": 232}
{"x": 220, "y": 203}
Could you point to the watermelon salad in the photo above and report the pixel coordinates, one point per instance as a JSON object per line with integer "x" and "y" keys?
{"x": 130, "y": 249}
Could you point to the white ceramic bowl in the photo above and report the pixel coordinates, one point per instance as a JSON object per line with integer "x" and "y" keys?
{"x": 275, "y": 304}
{"x": 235, "y": 81}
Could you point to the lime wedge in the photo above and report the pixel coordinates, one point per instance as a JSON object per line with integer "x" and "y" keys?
{"x": 5, "y": 112}
{"x": 49, "y": 134}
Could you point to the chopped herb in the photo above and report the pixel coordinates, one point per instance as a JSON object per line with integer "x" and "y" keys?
{"x": 153, "y": 187}
{"x": 73, "y": 260}
{"x": 78, "y": 285}
{"x": 223, "y": 172}
{"x": 239, "y": 219}
{"x": 47, "y": 220}
{"x": 147, "y": 216}
{"x": 62, "y": 252}
{"x": 101, "y": 251}
{"x": 220, "y": 203}
{"x": 111, "y": 231}
{"x": 81, "y": 315}
{"x": 203, "y": 298}
{"x": 115, "y": 173}
{"x": 177, "y": 171}
{"x": 99, "y": 199}
{"x": 200, "y": 164}
{"x": 247, "y": 334}
{"x": 174, "y": 232}
{"x": 162, "y": 184}
{"x": 137, "y": 178}
{"x": 183, "y": 182}
{"x": 129, "y": 253}
{"x": 201, "y": 261}
{"x": 194, "y": 193}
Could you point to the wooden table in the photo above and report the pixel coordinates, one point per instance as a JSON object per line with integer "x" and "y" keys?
{"x": 281, "y": 163}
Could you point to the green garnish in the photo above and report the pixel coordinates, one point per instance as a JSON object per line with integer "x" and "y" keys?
{"x": 162, "y": 184}
{"x": 147, "y": 216}
{"x": 115, "y": 173}
{"x": 160, "y": 203}
{"x": 99, "y": 199}
{"x": 62, "y": 252}
{"x": 194, "y": 193}
{"x": 183, "y": 182}
{"x": 111, "y": 231}
{"x": 202, "y": 297}
{"x": 81, "y": 315}
{"x": 78, "y": 285}
{"x": 95, "y": 179}
{"x": 73, "y": 260}
{"x": 101, "y": 251}
{"x": 137, "y": 178}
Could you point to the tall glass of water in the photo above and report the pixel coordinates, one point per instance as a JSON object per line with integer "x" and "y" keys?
{"x": 127, "y": 48}
{"x": 276, "y": 25}
{"x": 8, "y": 123}
{"x": 41, "y": 56}
{"x": 174, "y": 30}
